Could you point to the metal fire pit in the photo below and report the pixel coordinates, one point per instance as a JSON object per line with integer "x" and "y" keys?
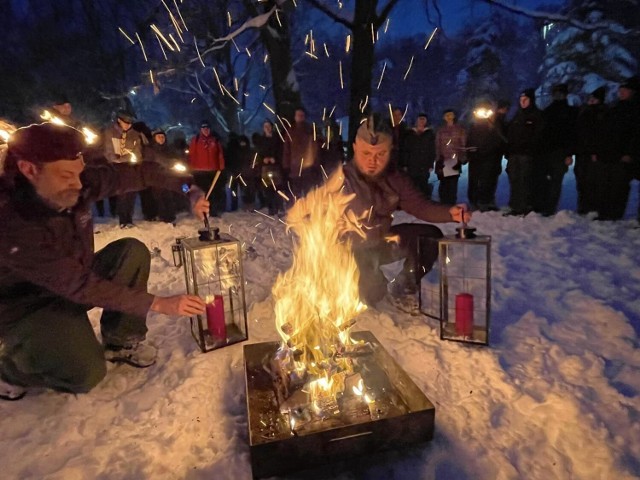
{"x": 401, "y": 415}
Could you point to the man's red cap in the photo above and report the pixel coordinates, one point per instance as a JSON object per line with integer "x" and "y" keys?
{"x": 45, "y": 142}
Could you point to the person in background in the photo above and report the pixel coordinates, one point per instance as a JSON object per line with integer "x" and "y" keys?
{"x": 379, "y": 191}
{"x": 62, "y": 108}
{"x": 48, "y": 284}
{"x": 332, "y": 150}
{"x": 451, "y": 140}
{"x": 268, "y": 148}
{"x": 123, "y": 144}
{"x": 300, "y": 158}
{"x": 206, "y": 157}
{"x": 419, "y": 154}
{"x": 590, "y": 169}
{"x": 557, "y": 147}
{"x": 159, "y": 151}
{"x": 524, "y": 135}
{"x": 399, "y": 131}
{"x": 486, "y": 146}
{"x": 240, "y": 161}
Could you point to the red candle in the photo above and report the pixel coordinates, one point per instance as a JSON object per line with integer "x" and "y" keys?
{"x": 215, "y": 318}
{"x": 464, "y": 314}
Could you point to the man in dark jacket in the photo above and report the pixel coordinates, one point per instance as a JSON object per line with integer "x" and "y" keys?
{"x": 300, "y": 157}
{"x": 419, "y": 154}
{"x": 523, "y": 136}
{"x": 50, "y": 276}
{"x": 558, "y": 146}
{"x": 380, "y": 191}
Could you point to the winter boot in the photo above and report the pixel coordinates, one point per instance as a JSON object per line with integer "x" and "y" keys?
{"x": 11, "y": 392}
{"x": 139, "y": 355}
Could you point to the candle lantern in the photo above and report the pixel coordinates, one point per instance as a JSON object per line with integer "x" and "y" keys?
{"x": 457, "y": 290}
{"x": 213, "y": 270}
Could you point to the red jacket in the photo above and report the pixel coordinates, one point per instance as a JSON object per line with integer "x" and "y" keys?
{"x": 205, "y": 153}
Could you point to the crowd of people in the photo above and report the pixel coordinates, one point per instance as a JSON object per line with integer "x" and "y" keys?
{"x": 539, "y": 145}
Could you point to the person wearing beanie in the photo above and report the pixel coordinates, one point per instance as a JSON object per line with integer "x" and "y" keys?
{"x": 378, "y": 192}
{"x": 524, "y": 135}
{"x": 159, "y": 151}
{"x": 623, "y": 150}
{"x": 590, "y": 167}
{"x": 50, "y": 275}
{"x": 451, "y": 140}
{"x": 419, "y": 154}
{"x": 206, "y": 158}
{"x": 558, "y": 148}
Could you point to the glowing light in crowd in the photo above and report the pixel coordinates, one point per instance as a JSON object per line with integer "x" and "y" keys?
{"x": 179, "y": 167}
{"x": 483, "y": 113}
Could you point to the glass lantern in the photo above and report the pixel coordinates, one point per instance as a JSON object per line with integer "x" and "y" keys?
{"x": 457, "y": 290}
{"x": 213, "y": 271}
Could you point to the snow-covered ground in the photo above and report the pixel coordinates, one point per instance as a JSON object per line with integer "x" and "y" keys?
{"x": 556, "y": 396}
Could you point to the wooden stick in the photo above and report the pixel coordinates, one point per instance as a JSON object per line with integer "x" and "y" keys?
{"x": 213, "y": 184}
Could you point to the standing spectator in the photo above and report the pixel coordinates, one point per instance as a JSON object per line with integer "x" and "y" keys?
{"x": 398, "y": 131}
{"x": 63, "y": 109}
{"x": 240, "y": 161}
{"x": 502, "y": 110}
{"x": 160, "y": 152}
{"x": 205, "y": 159}
{"x": 486, "y": 145}
{"x": 623, "y": 147}
{"x": 420, "y": 154}
{"x": 589, "y": 169}
{"x": 332, "y": 151}
{"x": 523, "y": 142}
{"x": 558, "y": 146}
{"x": 300, "y": 156}
{"x": 269, "y": 157}
{"x": 123, "y": 144}
{"x": 451, "y": 140}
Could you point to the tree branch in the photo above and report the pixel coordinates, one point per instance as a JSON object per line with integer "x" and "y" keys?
{"x": 561, "y": 18}
{"x": 384, "y": 13}
{"x": 331, "y": 14}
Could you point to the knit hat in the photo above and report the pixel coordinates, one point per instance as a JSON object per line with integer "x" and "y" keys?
{"x": 374, "y": 130}
{"x": 125, "y": 116}
{"x": 204, "y": 124}
{"x": 530, "y": 93}
{"x": 45, "y": 142}
{"x": 599, "y": 93}
{"x": 158, "y": 131}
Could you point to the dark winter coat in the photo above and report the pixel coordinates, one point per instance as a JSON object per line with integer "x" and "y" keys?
{"x": 485, "y": 142}
{"x": 524, "y": 133}
{"x": 240, "y": 157}
{"x": 624, "y": 131}
{"x": 162, "y": 154}
{"x": 48, "y": 252}
{"x": 131, "y": 140}
{"x": 387, "y": 193}
{"x": 300, "y": 152}
{"x": 591, "y": 127}
{"x": 559, "y": 128}
{"x": 419, "y": 152}
{"x": 269, "y": 147}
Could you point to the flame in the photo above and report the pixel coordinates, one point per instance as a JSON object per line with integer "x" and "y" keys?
{"x": 317, "y": 299}
{"x": 483, "y": 113}
{"x": 179, "y": 167}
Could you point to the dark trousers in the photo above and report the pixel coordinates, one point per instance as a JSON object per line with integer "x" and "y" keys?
{"x": 165, "y": 203}
{"x": 53, "y": 345}
{"x": 421, "y": 181}
{"x": 112, "y": 207}
{"x": 125, "y": 204}
{"x": 519, "y": 172}
{"x": 372, "y": 283}
{"x": 586, "y": 172}
{"x": 148, "y": 203}
{"x": 613, "y": 192}
{"x": 547, "y": 182}
{"x": 448, "y": 190}
{"x": 483, "y": 182}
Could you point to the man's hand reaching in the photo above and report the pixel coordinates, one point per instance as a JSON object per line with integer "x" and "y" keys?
{"x": 179, "y": 305}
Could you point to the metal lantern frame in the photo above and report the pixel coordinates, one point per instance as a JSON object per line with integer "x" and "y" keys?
{"x": 224, "y": 281}
{"x": 452, "y": 279}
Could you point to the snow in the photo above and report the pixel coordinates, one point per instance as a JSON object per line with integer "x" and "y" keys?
{"x": 555, "y": 396}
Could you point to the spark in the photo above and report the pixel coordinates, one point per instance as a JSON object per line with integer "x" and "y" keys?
{"x": 364, "y": 105}
{"x": 266, "y": 58}
{"x": 283, "y": 195}
{"x": 393, "y": 123}
{"x": 264, "y": 214}
{"x": 230, "y": 228}
{"x": 126, "y": 36}
{"x": 278, "y": 18}
{"x": 144, "y": 54}
{"x": 230, "y": 95}
{"x": 449, "y": 142}
{"x": 195, "y": 42}
{"x": 175, "y": 42}
{"x": 291, "y": 191}
{"x": 373, "y": 34}
{"x": 253, "y": 241}
{"x": 272, "y": 238}
{"x": 268, "y": 107}
{"x": 264, "y": 183}
{"x": 384, "y": 67}
{"x": 262, "y": 87}
{"x": 279, "y": 133}
{"x": 431, "y": 37}
{"x": 311, "y": 55}
{"x": 301, "y": 164}
{"x": 218, "y": 79}
{"x": 341, "y": 80}
{"x": 286, "y": 130}
{"x": 235, "y": 83}
{"x": 370, "y": 212}
{"x": 257, "y": 225}
{"x": 153, "y": 82}
{"x": 324, "y": 113}
{"x": 248, "y": 51}
{"x": 230, "y": 181}
{"x": 314, "y": 131}
{"x": 347, "y": 46}
{"x": 180, "y": 13}
{"x": 386, "y": 25}
{"x": 332, "y": 110}
{"x": 406, "y": 108}
{"x": 340, "y": 127}
{"x": 253, "y": 164}
{"x": 273, "y": 184}
{"x": 193, "y": 99}
{"x": 235, "y": 45}
{"x": 286, "y": 121}
{"x": 161, "y": 47}
{"x": 229, "y": 21}
{"x": 326, "y": 50}
{"x": 408, "y": 69}
{"x": 324, "y": 173}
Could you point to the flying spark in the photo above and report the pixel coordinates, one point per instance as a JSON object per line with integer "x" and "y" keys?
{"x": 384, "y": 67}
{"x": 126, "y": 36}
{"x": 144, "y": 54}
{"x": 431, "y": 37}
{"x": 408, "y": 69}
